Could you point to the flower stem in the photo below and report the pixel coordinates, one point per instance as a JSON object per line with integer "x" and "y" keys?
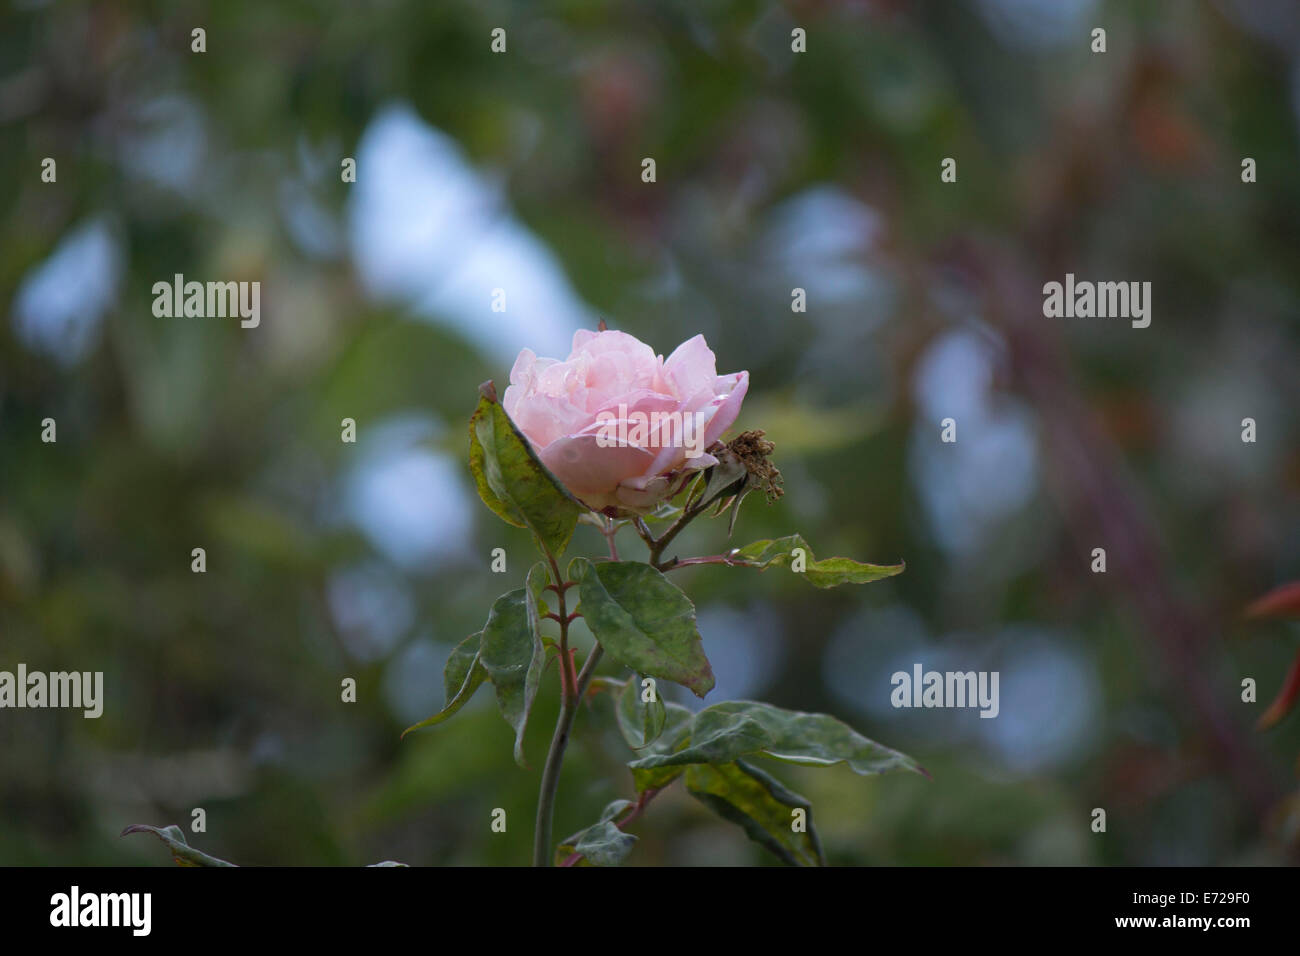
{"x": 609, "y": 531}
{"x": 690, "y": 511}
{"x": 728, "y": 559}
{"x": 572, "y": 692}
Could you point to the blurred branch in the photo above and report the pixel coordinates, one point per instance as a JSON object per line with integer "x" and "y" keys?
{"x": 1102, "y": 504}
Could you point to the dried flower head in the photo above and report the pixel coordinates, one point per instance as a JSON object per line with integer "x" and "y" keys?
{"x": 754, "y": 450}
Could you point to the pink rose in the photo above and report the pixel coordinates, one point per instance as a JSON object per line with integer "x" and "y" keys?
{"x": 616, "y": 423}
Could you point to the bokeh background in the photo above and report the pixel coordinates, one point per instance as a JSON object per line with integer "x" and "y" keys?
{"x": 776, "y": 170}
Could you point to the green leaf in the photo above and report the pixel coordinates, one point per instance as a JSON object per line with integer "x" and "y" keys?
{"x": 512, "y": 653}
{"x": 182, "y": 852}
{"x": 736, "y": 502}
{"x": 675, "y": 735}
{"x": 602, "y": 843}
{"x": 664, "y": 511}
{"x": 826, "y": 573}
{"x": 461, "y": 677}
{"x": 761, "y": 806}
{"x": 640, "y": 722}
{"x": 512, "y": 480}
{"x": 740, "y": 728}
{"x": 643, "y": 621}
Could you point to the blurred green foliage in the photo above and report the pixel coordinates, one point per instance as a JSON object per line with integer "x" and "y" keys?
{"x": 223, "y": 688}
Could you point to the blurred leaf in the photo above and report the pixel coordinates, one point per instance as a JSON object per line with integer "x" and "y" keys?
{"x": 797, "y": 428}
{"x": 263, "y": 530}
{"x": 643, "y": 621}
{"x": 602, "y": 843}
{"x": 461, "y": 677}
{"x": 1282, "y": 601}
{"x": 512, "y": 480}
{"x": 826, "y": 573}
{"x": 761, "y": 806}
{"x": 640, "y": 722}
{"x": 512, "y": 653}
{"x": 182, "y": 852}
{"x": 1285, "y": 699}
{"x": 738, "y": 728}
{"x": 605, "y": 685}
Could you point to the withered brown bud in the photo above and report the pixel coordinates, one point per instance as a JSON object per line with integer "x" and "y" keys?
{"x": 753, "y": 450}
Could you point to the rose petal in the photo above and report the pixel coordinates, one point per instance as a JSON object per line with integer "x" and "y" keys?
{"x": 691, "y": 367}
{"x": 585, "y": 467}
{"x": 642, "y": 401}
{"x": 728, "y": 409}
{"x": 643, "y": 498}
{"x": 544, "y": 418}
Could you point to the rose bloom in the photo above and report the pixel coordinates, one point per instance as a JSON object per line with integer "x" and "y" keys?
{"x": 599, "y": 419}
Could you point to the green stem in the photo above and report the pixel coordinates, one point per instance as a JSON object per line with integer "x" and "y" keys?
{"x": 572, "y": 693}
{"x": 550, "y": 782}
{"x": 689, "y": 512}
{"x": 555, "y": 759}
{"x": 644, "y": 531}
